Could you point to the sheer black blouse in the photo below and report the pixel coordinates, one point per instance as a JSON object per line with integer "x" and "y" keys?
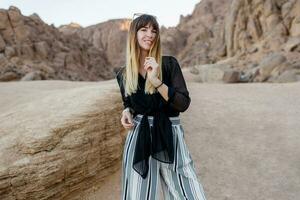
{"x": 156, "y": 140}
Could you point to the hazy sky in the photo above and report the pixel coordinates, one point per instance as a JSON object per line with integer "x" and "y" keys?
{"x": 89, "y": 12}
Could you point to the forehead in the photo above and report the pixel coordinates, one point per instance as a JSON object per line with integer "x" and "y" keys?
{"x": 150, "y": 26}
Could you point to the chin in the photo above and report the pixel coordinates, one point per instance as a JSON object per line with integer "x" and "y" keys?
{"x": 146, "y": 49}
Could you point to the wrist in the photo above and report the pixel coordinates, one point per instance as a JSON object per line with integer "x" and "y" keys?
{"x": 158, "y": 86}
{"x": 156, "y": 82}
{"x": 126, "y": 110}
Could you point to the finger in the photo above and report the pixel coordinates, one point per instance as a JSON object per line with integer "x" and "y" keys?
{"x": 149, "y": 63}
{"x": 124, "y": 121}
{"x": 145, "y": 67}
{"x": 128, "y": 126}
{"x": 148, "y": 67}
{"x": 149, "y": 59}
{"x": 130, "y": 120}
{"x": 146, "y": 62}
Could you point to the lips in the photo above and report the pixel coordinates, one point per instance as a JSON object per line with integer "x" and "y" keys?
{"x": 148, "y": 41}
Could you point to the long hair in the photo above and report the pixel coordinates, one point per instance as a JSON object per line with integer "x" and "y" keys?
{"x": 133, "y": 53}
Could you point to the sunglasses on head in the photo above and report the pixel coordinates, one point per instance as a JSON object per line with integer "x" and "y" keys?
{"x": 136, "y": 15}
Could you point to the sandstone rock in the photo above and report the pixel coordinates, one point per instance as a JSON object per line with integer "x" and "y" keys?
{"x": 250, "y": 37}
{"x": 35, "y": 75}
{"x": 27, "y": 51}
{"x": 42, "y": 49}
{"x": 295, "y": 28}
{"x": 293, "y": 44}
{"x": 70, "y": 29}
{"x": 58, "y": 138}
{"x": 9, "y": 52}
{"x": 295, "y": 65}
{"x": 212, "y": 73}
{"x": 287, "y": 76}
{"x": 199, "y": 37}
{"x": 214, "y": 31}
{"x": 3, "y": 19}
{"x": 15, "y": 16}
{"x": 109, "y": 37}
{"x": 230, "y": 30}
{"x": 194, "y": 70}
{"x": 279, "y": 69}
{"x": 2, "y": 44}
{"x": 250, "y": 74}
{"x": 59, "y": 59}
{"x": 3, "y": 60}
{"x": 231, "y": 77}
{"x": 31, "y": 40}
{"x": 22, "y": 33}
{"x": 44, "y": 68}
{"x": 9, "y": 76}
{"x": 267, "y": 65}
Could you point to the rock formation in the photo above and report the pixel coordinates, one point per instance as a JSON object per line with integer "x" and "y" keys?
{"x": 58, "y": 138}
{"x": 242, "y": 34}
{"x": 109, "y": 37}
{"x": 33, "y": 50}
{"x": 246, "y": 36}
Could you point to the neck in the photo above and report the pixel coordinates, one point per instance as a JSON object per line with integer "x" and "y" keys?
{"x": 144, "y": 54}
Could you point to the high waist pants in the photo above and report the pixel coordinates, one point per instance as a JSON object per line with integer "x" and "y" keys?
{"x": 178, "y": 180}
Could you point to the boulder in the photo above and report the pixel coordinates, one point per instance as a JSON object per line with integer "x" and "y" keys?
{"x": 58, "y": 138}
{"x": 268, "y": 64}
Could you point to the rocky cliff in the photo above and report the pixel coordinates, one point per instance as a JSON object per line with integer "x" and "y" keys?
{"x": 222, "y": 41}
{"x": 109, "y": 37}
{"x": 33, "y": 50}
{"x": 58, "y": 138}
{"x": 247, "y": 41}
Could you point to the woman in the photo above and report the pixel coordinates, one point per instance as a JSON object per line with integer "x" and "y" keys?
{"x": 154, "y": 92}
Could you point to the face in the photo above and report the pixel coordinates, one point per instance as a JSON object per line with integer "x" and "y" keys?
{"x": 146, "y": 36}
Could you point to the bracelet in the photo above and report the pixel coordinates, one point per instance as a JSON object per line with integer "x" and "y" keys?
{"x": 159, "y": 85}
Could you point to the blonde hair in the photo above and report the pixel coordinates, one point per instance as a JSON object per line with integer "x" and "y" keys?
{"x": 133, "y": 53}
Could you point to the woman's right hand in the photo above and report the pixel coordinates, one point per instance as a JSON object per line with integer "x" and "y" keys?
{"x": 127, "y": 120}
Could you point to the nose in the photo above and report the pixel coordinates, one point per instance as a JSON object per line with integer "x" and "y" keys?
{"x": 150, "y": 34}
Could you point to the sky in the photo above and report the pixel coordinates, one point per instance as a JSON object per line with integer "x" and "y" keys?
{"x": 90, "y": 12}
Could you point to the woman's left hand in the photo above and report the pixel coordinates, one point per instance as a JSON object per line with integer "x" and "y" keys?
{"x": 151, "y": 66}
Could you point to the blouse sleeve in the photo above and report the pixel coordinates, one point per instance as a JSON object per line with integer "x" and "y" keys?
{"x": 126, "y": 100}
{"x": 178, "y": 93}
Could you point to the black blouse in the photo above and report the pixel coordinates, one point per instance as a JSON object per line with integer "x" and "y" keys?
{"x": 158, "y": 139}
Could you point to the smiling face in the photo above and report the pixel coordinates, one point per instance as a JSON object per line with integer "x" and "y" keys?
{"x": 146, "y": 37}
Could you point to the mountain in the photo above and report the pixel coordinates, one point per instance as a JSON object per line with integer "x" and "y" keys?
{"x": 109, "y": 37}
{"x": 220, "y": 41}
{"x": 31, "y": 49}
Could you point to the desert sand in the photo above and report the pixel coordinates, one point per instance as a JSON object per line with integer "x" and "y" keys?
{"x": 244, "y": 139}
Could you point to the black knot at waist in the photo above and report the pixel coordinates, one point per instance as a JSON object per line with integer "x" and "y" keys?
{"x": 155, "y": 140}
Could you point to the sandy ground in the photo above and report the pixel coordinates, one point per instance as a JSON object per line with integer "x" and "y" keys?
{"x": 244, "y": 140}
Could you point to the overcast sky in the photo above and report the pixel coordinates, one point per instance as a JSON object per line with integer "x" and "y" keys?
{"x": 89, "y": 12}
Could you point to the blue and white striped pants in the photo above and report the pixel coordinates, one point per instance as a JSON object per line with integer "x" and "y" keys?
{"x": 178, "y": 180}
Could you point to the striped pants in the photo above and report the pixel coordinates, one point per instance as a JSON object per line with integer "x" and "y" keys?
{"x": 178, "y": 180}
